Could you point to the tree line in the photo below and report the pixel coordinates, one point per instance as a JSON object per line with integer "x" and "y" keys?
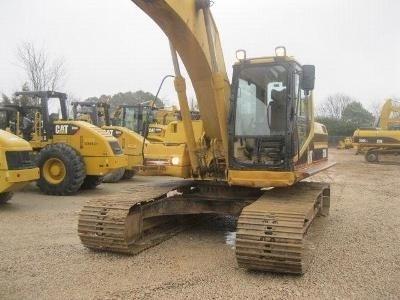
{"x": 340, "y": 113}
{"x": 129, "y": 98}
{"x": 43, "y": 73}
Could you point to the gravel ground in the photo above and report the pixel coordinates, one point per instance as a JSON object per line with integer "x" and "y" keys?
{"x": 355, "y": 249}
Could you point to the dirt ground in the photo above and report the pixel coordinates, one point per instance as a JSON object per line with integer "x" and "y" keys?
{"x": 356, "y": 249}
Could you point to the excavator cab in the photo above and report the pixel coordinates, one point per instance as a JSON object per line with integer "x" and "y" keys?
{"x": 271, "y": 114}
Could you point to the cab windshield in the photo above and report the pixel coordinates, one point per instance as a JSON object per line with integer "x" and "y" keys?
{"x": 137, "y": 117}
{"x": 261, "y": 101}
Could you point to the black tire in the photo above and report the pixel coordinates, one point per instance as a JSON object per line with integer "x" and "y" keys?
{"x": 91, "y": 182}
{"x": 62, "y": 170}
{"x": 5, "y": 197}
{"x": 114, "y": 176}
{"x": 128, "y": 174}
{"x": 371, "y": 156}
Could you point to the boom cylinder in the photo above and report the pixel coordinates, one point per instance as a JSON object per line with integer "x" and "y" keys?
{"x": 218, "y": 79}
{"x": 180, "y": 87}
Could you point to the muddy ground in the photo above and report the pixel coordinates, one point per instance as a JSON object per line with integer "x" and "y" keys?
{"x": 356, "y": 249}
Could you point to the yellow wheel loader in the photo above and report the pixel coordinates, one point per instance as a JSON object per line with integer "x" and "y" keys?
{"x": 17, "y": 167}
{"x": 259, "y": 142}
{"x": 71, "y": 154}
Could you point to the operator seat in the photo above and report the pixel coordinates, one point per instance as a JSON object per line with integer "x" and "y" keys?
{"x": 52, "y": 117}
{"x": 278, "y": 112}
{"x": 27, "y": 128}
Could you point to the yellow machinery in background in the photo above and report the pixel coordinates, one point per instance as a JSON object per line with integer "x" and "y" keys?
{"x": 17, "y": 167}
{"x": 10, "y": 119}
{"x": 147, "y": 120}
{"x": 162, "y": 150}
{"x": 139, "y": 117}
{"x": 346, "y": 143}
{"x": 259, "y": 142}
{"x": 390, "y": 115}
{"x": 384, "y": 140}
{"x": 70, "y": 154}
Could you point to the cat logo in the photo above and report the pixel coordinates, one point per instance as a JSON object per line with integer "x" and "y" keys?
{"x": 61, "y": 129}
{"x": 114, "y": 132}
{"x": 155, "y": 130}
{"x": 65, "y": 129}
{"x": 110, "y": 131}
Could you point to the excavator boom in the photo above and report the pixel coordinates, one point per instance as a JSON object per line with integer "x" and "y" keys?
{"x": 189, "y": 33}
{"x": 390, "y": 115}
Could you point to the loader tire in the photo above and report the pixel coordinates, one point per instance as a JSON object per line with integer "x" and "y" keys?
{"x": 5, "y": 197}
{"x": 128, "y": 174}
{"x": 91, "y": 182}
{"x": 114, "y": 176}
{"x": 62, "y": 170}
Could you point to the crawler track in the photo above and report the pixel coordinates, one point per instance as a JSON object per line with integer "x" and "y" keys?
{"x": 271, "y": 230}
{"x": 115, "y": 223}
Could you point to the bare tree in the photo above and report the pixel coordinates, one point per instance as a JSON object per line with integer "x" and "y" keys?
{"x": 334, "y": 105}
{"x": 5, "y": 99}
{"x": 375, "y": 107}
{"x": 42, "y": 72}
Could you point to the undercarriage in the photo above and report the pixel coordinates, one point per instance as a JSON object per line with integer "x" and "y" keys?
{"x": 270, "y": 229}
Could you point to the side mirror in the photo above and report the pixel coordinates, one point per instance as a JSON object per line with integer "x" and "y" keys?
{"x": 308, "y": 78}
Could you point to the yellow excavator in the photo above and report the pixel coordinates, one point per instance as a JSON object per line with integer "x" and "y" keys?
{"x": 390, "y": 115}
{"x": 17, "y": 167}
{"x": 71, "y": 155}
{"x": 383, "y": 140}
{"x": 260, "y": 141}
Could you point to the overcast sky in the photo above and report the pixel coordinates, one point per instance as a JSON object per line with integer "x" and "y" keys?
{"x": 111, "y": 46}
